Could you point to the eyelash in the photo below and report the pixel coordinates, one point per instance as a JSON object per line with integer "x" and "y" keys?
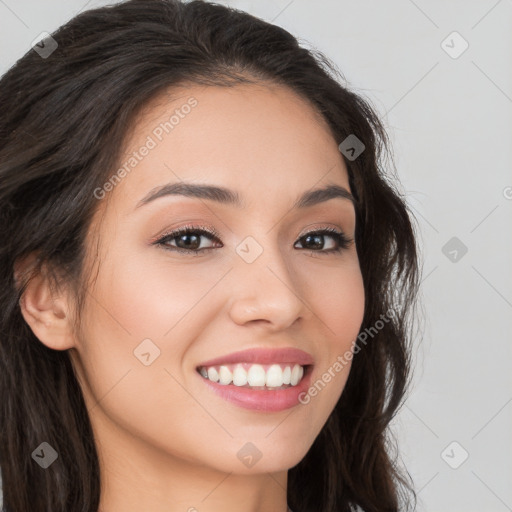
{"x": 342, "y": 240}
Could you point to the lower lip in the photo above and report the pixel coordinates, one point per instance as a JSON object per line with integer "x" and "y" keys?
{"x": 260, "y": 399}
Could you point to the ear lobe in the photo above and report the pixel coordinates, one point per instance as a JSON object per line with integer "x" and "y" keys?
{"x": 46, "y": 312}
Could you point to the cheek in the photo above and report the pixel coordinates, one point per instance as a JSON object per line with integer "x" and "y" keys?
{"x": 134, "y": 302}
{"x": 337, "y": 297}
{"x": 137, "y": 299}
{"x": 152, "y": 296}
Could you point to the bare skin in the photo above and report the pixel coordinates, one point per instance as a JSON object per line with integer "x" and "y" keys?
{"x": 166, "y": 442}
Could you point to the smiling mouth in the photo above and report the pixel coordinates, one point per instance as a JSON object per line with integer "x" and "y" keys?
{"x": 256, "y": 376}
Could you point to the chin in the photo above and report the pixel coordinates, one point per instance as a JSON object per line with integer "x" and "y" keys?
{"x": 267, "y": 456}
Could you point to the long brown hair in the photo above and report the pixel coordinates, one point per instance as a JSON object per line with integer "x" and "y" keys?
{"x": 64, "y": 119}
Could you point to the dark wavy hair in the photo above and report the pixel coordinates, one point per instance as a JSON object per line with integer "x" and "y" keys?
{"x": 63, "y": 121}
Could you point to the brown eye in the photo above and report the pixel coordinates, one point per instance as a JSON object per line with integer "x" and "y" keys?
{"x": 316, "y": 240}
{"x": 187, "y": 240}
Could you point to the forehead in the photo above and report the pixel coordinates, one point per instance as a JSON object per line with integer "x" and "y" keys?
{"x": 253, "y": 138}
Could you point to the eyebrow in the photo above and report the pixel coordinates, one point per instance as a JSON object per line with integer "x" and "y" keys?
{"x": 230, "y": 197}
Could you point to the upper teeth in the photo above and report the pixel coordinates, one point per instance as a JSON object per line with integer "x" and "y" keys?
{"x": 256, "y": 375}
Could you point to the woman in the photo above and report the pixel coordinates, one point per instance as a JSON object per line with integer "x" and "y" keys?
{"x": 207, "y": 279}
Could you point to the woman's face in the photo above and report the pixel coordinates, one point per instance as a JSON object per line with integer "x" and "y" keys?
{"x": 155, "y": 314}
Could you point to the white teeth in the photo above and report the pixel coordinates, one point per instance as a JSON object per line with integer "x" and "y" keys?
{"x": 297, "y": 373}
{"x": 213, "y": 374}
{"x": 225, "y": 375}
{"x": 239, "y": 376}
{"x": 255, "y": 376}
{"x": 274, "y": 376}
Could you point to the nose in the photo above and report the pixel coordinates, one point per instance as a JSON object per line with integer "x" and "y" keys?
{"x": 266, "y": 292}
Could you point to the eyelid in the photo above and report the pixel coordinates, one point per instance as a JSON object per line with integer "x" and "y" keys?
{"x": 187, "y": 227}
{"x": 319, "y": 226}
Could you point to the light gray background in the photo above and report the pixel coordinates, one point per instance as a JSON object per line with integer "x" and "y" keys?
{"x": 450, "y": 120}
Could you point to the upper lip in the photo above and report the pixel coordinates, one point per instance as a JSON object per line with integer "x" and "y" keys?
{"x": 263, "y": 356}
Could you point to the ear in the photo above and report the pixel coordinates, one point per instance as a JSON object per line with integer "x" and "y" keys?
{"x": 46, "y": 312}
